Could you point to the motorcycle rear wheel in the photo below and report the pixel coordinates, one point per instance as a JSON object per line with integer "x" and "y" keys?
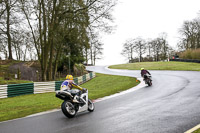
{"x": 68, "y": 109}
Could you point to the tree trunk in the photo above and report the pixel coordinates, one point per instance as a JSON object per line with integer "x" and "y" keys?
{"x": 140, "y": 53}
{"x": 25, "y": 54}
{"x": 16, "y": 51}
{"x": 58, "y": 54}
{"x": 149, "y": 52}
{"x": 8, "y": 31}
{"x": 131, "y": 53}
{"x": 86, "y": 56}
{"x": 46, "y": 45}
{"x": 52, "y": 26}
{"x": 51, "y": 60}
{"x": 94, "y": 61}
{"x": 94, "y": 58}
{"x": 91, "y": 55}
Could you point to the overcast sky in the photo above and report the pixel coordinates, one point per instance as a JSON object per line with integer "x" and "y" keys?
{"x": 146, "y": 19}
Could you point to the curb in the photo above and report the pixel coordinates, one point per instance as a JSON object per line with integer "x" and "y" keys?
{"x": 193, "y": 129}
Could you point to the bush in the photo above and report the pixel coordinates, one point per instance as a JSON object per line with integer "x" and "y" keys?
{"x": 191, "y": 54}
{"x": 79, "y": 69}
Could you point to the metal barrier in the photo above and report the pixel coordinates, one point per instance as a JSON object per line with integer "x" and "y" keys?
{"x": 84, "y": 78}
{"x": 57, "y": 85}
{"x": 3, "y": 91}
{"x": 76, "y": 80}
{"x": 87, "y": 77}
{"x": 12, "y": 90}
{"x": 43, "y": 87}
{"x": 19, "y": 89}
{"x": 80, "y": 80}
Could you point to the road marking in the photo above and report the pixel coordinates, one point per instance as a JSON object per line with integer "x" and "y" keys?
{"x": 193, "y": 129}
{"x": 42, "y": 113}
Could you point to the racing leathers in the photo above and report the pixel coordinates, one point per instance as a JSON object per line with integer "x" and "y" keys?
{"x": 144, "y": 72}
{"x": 68, "y": 85}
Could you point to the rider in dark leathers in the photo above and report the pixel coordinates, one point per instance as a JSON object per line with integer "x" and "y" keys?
{"x": 144, "y": 72}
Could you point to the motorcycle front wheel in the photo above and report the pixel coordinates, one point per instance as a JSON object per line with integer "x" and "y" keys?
{"x": 68, "y": 109}
{"x": 90, "y": 105}
{"x": 149, "y": 83}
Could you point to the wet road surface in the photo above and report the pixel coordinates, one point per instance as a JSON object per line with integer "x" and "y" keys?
{"x": 171, "y": 105}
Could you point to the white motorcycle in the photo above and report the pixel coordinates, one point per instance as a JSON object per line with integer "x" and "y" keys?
{"x": 70, "y": 108}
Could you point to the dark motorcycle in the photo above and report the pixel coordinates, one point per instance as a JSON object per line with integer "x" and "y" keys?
{"x": 70, "y": 108}
{"x": 148, "y": 80}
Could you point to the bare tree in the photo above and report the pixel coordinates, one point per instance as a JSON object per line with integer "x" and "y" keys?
{"x": 155, "y": 49}
{"x": 190, "y": 32}
{"x": 137, "y": 45}
{"x": 3, "y": 47}
{"x": 164, "y": 45}
{"x": 159, "y": 48}
{"x": 95, "y": 50}
{"x": 140, "y": 47}
{"x": 23, "y": 45}
{"x": 128, "y": 49}
{"x": 9, "y": 22}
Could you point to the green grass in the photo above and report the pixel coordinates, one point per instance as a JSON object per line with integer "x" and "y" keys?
{"x": 16, "y": 107}
{"x": 197, "y": 131}
{"x": 183, "y": 66}
{"x": 102, "y": 85}
{"x": 105, "y": 85}
{"x": 12, "y": 81}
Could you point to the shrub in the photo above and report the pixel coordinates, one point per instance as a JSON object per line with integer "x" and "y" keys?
{"x": 190, "y": 54}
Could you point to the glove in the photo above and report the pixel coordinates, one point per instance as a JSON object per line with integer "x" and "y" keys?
{"x": 84, "y": 90}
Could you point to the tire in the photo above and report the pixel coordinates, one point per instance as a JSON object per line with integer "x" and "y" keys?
{"x": 68, "y": 109}
{"x": 149, "y": 83}
{"x": 90, "y": 105}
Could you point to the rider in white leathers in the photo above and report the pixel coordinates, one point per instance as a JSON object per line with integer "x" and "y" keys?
{"x": 68, "y": 84}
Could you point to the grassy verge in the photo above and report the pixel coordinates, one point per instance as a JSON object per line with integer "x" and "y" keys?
{"x": 12, "y": 81}
{"x": 183, "y": 66}
{"x": 16, "y": 107}
{"x": 105, "y": 85}
{"x": 197, "y": 131}
{"x": 102, "y": 85}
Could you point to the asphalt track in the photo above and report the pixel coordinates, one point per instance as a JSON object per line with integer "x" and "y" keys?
{"x": 171, "y": 105}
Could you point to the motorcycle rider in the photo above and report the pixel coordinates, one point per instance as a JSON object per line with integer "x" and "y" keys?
{"x": 144, "y": 72}
{"x": 68, "y": 84}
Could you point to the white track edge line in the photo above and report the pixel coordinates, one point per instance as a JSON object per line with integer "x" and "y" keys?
{"x": 193, "y": 129}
